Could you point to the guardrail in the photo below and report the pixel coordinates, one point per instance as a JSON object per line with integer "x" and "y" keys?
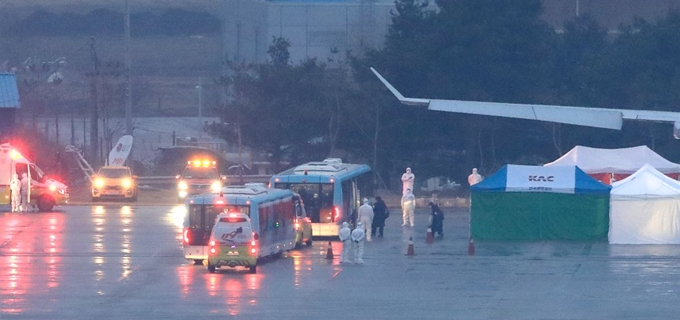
{"x": 231, "y": 180}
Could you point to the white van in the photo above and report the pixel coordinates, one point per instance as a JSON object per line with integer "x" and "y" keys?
{"x": 232, "y": 243}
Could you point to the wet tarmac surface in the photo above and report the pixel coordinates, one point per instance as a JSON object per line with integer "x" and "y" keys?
{"x": 119, "y": 261}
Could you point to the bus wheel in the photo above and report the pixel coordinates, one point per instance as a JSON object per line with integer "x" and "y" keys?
{"x": 252, "y": 269}
{"x": 45, "y": 203}
{"x": 211, "y": 269}
{"x": 198, "y": 262}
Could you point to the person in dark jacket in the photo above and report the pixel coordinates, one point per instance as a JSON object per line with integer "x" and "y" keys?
{"x": 380, "y": 213}
{"x": 437, "y": 220}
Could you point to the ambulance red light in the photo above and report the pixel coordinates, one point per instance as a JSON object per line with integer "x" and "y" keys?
{"x": 220, "y": 201}
{"x": 14, "y": 154}
{"x": 232, "y": 215}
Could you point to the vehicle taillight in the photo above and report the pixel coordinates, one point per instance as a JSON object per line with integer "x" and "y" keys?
{"x": 187, "y": 235}
{"x": 253, "y": 243}
{"x": 212, "y": 246}
{"x": 212, "y": 243}
{"x": 336, "y": 216}
{"x": 253, "y": 247}
{"x": 297, "y": 224}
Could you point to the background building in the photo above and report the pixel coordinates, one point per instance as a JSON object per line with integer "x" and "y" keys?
{"x": 315, "y": 28}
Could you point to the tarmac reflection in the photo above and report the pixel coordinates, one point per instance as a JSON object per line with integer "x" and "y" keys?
{"x": 232, "y": 286}
{"x": 31, "y": 265}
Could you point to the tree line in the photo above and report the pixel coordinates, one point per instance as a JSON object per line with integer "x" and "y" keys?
{"x": 481, "y": 50}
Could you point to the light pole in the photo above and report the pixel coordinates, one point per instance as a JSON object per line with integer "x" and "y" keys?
{"x": 128, "y": 94}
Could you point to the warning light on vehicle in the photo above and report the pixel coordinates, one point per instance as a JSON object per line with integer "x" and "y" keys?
{"x": 14, "y": 154}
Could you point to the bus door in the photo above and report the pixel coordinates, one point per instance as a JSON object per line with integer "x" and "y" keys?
{"x": 201, "y": 221}
{"x": 350, "y": 199}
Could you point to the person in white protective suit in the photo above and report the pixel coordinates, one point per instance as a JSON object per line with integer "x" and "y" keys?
{"x": 366, "y": 218}
{"x": 346, "y": 238}
{"x": 407, "y": 180}
{"x": 15, "y": 187}
{"x": 358, "y": 236}
{"x": 408, "y": 206}
{"x": 474, "y": 178}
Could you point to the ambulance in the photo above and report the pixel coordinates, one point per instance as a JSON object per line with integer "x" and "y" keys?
{"x": 44, "y": 193}
{"x": 199, "y": 176}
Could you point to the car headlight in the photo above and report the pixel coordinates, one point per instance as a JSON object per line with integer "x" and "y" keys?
{"x": 126, "y": 183}
{"x": 99, "y": 183}
{"x": 216, "y": 186}
{"x": 52, "y": 188}
{"x": 182, "y": 185}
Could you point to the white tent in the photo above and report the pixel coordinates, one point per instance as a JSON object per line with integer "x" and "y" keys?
{"x": 645, "y": 209}
{"x": 622, "y": 161}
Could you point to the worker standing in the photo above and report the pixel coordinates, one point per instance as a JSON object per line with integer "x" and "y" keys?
{"x": 345, "y": 237}
{"x": 358, "y": 236}
{"x": 366, "y": 218}
{"x": 408, "y": 206}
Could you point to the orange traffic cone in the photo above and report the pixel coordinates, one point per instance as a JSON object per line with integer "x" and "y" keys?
{"x": 471, "y": 247}
{"x": 410, "y": 252}
{"x": 430, "y": 237}
{"x": 329, "y": 253}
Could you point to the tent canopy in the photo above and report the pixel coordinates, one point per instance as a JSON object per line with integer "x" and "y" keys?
{"x": 539, "y": 203}
{"x": 646, "y": 183}
{"x": 557, "y": 179}
{"x": 623, "y": 160}
{"x": 645, "y": 209}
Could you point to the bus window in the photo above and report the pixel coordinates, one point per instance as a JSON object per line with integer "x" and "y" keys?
{"x": 196, "y": 217}
{"x": 215, "y": 210}
{"x": 317, "y": 197}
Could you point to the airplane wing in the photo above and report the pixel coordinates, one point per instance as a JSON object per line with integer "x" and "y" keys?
{"x": 581, "y": 116}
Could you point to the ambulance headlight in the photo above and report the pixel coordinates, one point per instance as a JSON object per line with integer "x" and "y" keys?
{"x": 127, "y": 183}
{"x": 182, "y": 185}
{"x": 216, "y": 186}
{"x": 99, "y": 183}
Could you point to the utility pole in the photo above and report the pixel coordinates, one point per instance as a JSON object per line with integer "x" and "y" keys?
{"x": 128, "y": 94}
{"x": 94, "y": 121}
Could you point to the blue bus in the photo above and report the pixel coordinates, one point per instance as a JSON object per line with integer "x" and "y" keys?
{"x": 331, "y": 191}
{"x": 271, "y": 213}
